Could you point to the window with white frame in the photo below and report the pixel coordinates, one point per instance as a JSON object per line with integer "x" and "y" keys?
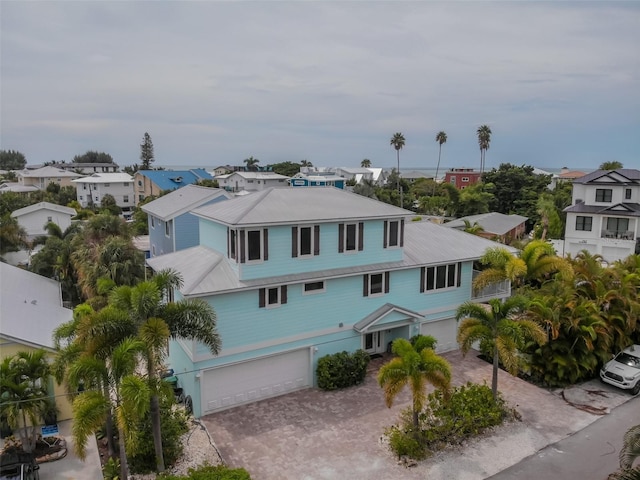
{"x": 464, "y": 179}
{"x": 313, "y": 287}
{"x": 393, "y": 233}
{"x": 153, "y": 222}
{"x": 440, "y": 277}
{"x": 627, "y": 194}
{"x": 272, "y": 296}
{"x": 350, "y": 237}
{"x": 583, "y": 223}
{"x": 375, "y": 284}
{"x": 107, "y": 184}
{"x": 253, "y": 245}
{"x": 125, "y": 198}
{"x": 603, "y": 194}
{"x": 617, "y": 225}
{"x": 305, "y": 241}
{"x": 232, "y": 243}
{"x": 49, "y": 219}
{"x": 167, "y": 228}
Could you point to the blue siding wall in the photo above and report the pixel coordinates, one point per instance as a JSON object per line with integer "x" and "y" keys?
{"x": 280, "y": 261}
{"x": 184, "y": 369}
{"x": 213, "y": 235}
{"x": 158, "y": 240}
{"x": 186, "y": 230}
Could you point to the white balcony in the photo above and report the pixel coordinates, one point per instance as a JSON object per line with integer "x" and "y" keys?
{"x": 501, "y": 289}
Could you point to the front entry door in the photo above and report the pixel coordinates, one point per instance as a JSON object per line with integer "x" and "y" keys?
{"x": 374, "y": 342}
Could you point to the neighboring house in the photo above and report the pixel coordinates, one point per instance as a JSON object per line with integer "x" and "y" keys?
{"x": 89, "y": 168}
{"x": 30, "y": 310}
{"x": 495, "y": 226}
{"x": 154, "y": 182}
{"x": 604, "y": 217}
{"x": 356, "y": 173}
{"x": 35, "y": 217}
{"x": 223, "y": 170}
{"x": 294, "y": 274}
{"x": 316, "y": 180}
{"x": 171, "y": 226}
{"x": 413, "y": 175}
{"x": 92, "y": 189}
{"x": 42, "y": 177}
{"x": 252, "y": 181}
{"x": 461, "y": 178}
{"x": 17, "y": 188}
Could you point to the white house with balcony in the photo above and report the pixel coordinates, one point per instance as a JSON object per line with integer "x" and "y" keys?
{"x": 92, "y": 189}
{"x": 604, "y": 217}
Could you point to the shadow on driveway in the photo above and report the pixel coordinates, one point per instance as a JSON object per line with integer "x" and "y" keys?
{"x": 313, "y": 435}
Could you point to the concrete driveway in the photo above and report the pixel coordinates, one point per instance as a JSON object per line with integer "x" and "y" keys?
{"x": 316, "y": 435}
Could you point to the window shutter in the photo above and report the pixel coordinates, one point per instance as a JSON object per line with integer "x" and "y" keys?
{"x": 294, "y": 242}
{"x": 402, "y": 232}
{"x": 387, "y": 277}
{"x": 265, "y": 234}
{"x": 341, "y": 238}
{"x": 283, "y": 294}
{"x": 459, "y": 273}
{"x": 386, "y": 232}
{"x": 365, "y": 286}
{"x": 423, "y": 271}
{"x": 361, "y": 236}
{"x": 316, "y": 240}
{"x": 242, "y": 247}
{"x": 261, "y": 297}
{"x": 228, "y": 242}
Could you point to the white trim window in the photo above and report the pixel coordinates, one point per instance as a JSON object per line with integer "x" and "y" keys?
{"x": 311, "y": 288}
{"x": 440, "y": 277}
{"x": 375, "y": 284}
{"x": 272, "y": 297}
{"x": 393, "y": 233}
{"x": 350, "y": 237}
{"x": 252, "y": 245}
{"x": 305, "y": 241}
{"x": 153, "y": 222}
{"x": 584, "y": 223}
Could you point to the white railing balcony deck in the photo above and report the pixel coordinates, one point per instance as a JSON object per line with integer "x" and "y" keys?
{"x": 497, "y": 290}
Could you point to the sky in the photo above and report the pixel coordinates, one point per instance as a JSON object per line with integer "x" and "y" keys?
{"x": 215, "y": 82}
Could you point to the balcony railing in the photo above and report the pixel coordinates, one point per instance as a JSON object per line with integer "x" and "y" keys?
{"x": 496, "y": 290}
{"x": 626, "y": 235}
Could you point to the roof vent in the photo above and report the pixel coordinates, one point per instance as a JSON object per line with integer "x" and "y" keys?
{"x": 177, "y": 179}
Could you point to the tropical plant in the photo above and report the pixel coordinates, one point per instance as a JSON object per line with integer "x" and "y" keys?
{"x": 501, "y": 329}
{"x": 251, "y": 163}
{"x": 365, "y": 163}
{"x": 414, "y": 366}
{"x": 397, "y": 142}
{"x": 306, "y": 163}
{"x": 441, "y": 138}
{"x": 484, "y": 139}
{"x": 474, "y": 228}
{"x": 629, "y": 452}
{"x": 23, "y": 394}
{"x": 611, "y": 165}
{"x": 12, "y": 160}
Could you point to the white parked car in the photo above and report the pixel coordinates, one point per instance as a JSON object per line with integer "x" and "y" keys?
{"x": 624, "y": 370}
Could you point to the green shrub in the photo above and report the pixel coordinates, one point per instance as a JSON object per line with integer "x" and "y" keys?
{"x": 111, "y": 469}
{"x": 420, "y": 342}
{"x": 173, "y": 424}
{"x": 468, "y": 411}
{"x": 342, "y": 369}
{"x": 219, "y": 472}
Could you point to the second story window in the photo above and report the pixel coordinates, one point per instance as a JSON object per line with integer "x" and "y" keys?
{"x": 167, "y": 228}
{"x": 603, "y": 194}
{"x": 232, "y": 242}
{"x": 375, "y": 284}
{"x": 125, "y": 198}
{"x": 440, "y": 277}
{"x": 627, "y": 194}
{"x": 153, "y": 222}
{"x": 305, "y": 241}
{"x": 393, "y": 233}
{"x": 253, "y": 245}
{"x": 583, "y": 223}
{"x": 350, "y": 237}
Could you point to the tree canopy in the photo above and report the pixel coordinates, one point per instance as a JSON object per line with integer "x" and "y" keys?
{"x": 146, "y": 152}
{"x": 12, "y": 160}
{"x": 288, "y": 169}
{"x": 93, "y": 157}
{"x": 612, "y": 165}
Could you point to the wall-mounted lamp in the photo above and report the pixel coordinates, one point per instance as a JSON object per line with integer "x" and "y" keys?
{"x": 198, "y": 376}
{"x": 341, "y": 325}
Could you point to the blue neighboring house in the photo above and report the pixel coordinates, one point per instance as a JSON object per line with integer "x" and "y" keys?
{"x": 171, "y": 226}
{"x": 153, "y": 182}
{"x": 316, "y": 180}
{"x": 298, "y": 273}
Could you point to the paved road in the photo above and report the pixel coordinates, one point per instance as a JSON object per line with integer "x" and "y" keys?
{"x": 590, "y": 454}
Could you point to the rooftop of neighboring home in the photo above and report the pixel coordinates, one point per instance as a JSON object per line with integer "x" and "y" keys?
{"x": 319, "y": 176}
{"x": 285, "y": 206}
{"x": 206, "y": 271}
{"x": 116, "y": 177}
{"x": 492, "y": 222}
{"x": 43, "y": 206}
{"x": 17, "y": 187}
{"x": 82, "y": 165}
{"x": 566, "y": 174}
{"x": 414, "y": 175}
{"x": 632, "y": 176}
{"x": 251, "y": 175}
{"x": 181, "y": 201}
{"x": 30, "y": 307}
{"x": 172, "y": 179}
{"x": 48, "y": 171}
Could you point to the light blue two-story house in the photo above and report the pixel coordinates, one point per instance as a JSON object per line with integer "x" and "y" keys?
{"x": 171, "y": 226}
{"x": 297, "y": 273}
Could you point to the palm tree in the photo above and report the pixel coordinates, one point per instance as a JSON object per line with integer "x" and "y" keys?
{"x": 306, "y": 163}
{"x": 484, "y": 139}
{"x": 252, "y": 163}
{"x": 365, "y": 163}
{"x": 500, "y": 330}
{"x": 474, "y": 228}
{"x": 441, "y": 138}
{"x": 413, "y": 366}
{"x": 612, "y": 165}
{"x": 157, "y": 320}
{"x": 397, "y": 142}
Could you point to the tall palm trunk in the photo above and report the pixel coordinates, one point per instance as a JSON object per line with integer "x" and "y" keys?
{"x": 156, "y": 428}
{"x": 398, "y": 182}
{"x": 124, "y": 465}
{"x": 494, "y": 379}
{"x": 435, "y": 180}
{"x": 111, "y": 448}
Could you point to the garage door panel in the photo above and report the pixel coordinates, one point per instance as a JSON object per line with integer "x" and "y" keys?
{"x": 254, "y": 380}
{"x": 444, "y": 331}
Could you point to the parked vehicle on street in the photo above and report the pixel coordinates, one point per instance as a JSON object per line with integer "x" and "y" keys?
{"x": 623, "y": 370}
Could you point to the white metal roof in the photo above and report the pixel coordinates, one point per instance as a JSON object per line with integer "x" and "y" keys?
{"x": 48, "y": 171}
{"x": 492, "y": 222}
{"x": 43, "y": 206}
{"x": 181, "y": 201}
{"x": 114, "y": 177}
{"x": 295, "y": 205}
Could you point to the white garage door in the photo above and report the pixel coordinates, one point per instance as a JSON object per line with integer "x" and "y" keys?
{"x": 247, "y": 382}
{"x": 444, "y": 331}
